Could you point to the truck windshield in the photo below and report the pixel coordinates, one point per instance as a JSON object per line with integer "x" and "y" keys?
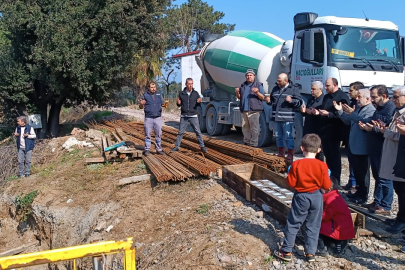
{"x": 365, "y": 43}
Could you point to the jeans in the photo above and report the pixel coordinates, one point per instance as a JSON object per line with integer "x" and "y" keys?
{"x": 156, "y": 125}
{"x": 24, "y": 156}
{"x": 250, "y": 128}
{"x": 283, "y": 131}
{"x": 384, "y": 189}
{"x": 331, "y": 149}
{"x": 306, "y": 207}
{"x": 184, "y": 121}
{"x": 361, "y": 169}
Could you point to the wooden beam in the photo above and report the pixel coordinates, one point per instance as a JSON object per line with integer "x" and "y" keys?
{"x": 134, "y": 179}
{"x": 17, "y": 250}
{"x": 95, "y": 160}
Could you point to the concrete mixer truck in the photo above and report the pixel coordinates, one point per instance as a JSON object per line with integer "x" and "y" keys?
{"x": 322, "y": 47}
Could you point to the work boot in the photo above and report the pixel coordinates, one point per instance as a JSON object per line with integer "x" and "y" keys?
{"x": 290, "y": 156}
{"x": 146, "y": 153}
{"x": 204, "y": 150}
{"x": 175, "y": 149}
{"x": 161, "y": 153}
{"x": 281, "y": 152}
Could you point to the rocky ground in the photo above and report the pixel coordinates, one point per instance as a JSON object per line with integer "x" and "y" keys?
{"x": 199, "y": 224}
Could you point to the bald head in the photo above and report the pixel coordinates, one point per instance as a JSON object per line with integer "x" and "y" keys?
{"x": 282, "y": 80}
{"x": 331, "y": 85}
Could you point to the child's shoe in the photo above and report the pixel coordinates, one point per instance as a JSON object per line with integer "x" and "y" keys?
{"x": 282, "y": 255}
{"x": 323, "y": 252}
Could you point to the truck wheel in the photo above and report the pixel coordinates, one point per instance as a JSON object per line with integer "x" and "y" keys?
{"x": 265, "y": 134}
{"x": 238, "y": 129}
{"x": 226, "y": 129}
{"x": 298, "y": 131}
{"x": 201, "y": 120}
{"x": 213, "y": 128}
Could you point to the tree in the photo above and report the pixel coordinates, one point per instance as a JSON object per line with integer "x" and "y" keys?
{"x": 64, "y": 52}
{"x": 186, "y": 24}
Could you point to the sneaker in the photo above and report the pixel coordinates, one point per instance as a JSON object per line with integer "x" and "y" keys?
{"x": 310, "y": 258}
{"x": 204, "y": 150}
{"x": 27, "y": 175}
{"x": 347, "y": 187}
{"x": 369, "y": 205}
{"x": 175, "y": 149}
{"x": 161, "y": 153}
{"x": 357, "y": 200}
{"x": 146, "y": 153}
{"x": 353, "y": 190}
{"x": 390, "y": 221}
{"x": 352, "y": 195}
{"x": 20, "y": 176}
{"x": 341, "y": 246}
{"x": 379, "y": 210}
{"x": 322, "y": 252}
{"x": 282, "y": 255}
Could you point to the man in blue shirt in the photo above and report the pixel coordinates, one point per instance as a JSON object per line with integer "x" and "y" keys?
{"x": 251, "y": 96}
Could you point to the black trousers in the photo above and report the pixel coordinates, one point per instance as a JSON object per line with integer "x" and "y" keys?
{"x": 361, "y": 171}
{"x": 399, "y": 188}
{"x": 331, "y": 150}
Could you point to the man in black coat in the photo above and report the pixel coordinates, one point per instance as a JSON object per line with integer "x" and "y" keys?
{"x": 331, "y": 131}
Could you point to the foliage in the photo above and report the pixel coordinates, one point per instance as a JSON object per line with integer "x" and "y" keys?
{"x": 203, "y": 209}
{"x": 64, "y": 52}
{"x": 24, "y": 204}
{"x": 101, "y": 114}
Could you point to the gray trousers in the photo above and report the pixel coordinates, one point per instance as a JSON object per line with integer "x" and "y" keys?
{"x": 24, "y": 157}
{"x": 156, "y": 125}
{"x": 306, "y": 207}
{"x": 184, "y": 121}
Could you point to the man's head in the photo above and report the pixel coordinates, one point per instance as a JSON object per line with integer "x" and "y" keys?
{"x": 354, "y": 89}
{"x": 379, "y": 95}
{"x": 363, "y": 98}
{"x": 311, "y": 143}
{"x": 316, "y": 89}
{"x": 250, "y": 75}
{"x": 152, "y": 87}
{"x": 189, "y": 84}
{"x": 331, "y": 85}
{"x": 21, "y": 121}
{"x": 282, "y": 80}
{"x": 399, "y": 96}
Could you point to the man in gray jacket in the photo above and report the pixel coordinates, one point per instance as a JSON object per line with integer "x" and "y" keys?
{"x": 358, "y": 143}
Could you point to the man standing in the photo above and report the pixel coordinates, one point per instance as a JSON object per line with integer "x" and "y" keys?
{"x": 383, "y": 191}
{"x": 251, "y": 95}
{"x": 332, "y": 127}
{"x": 390, "y": 151}
{"x": 312, "y": 122}
{"x": 25, "y": 144}
{"x": 358, "y": 143}
{"x": 353, "y": 93}
{"x": 189, "y": 100}
{"x": 285, "y": 99}
{"x": 152, "y": 102}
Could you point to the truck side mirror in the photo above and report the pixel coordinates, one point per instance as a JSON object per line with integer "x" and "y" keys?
{"x": 307, "y": 46}
{"x": 402, "y": 44}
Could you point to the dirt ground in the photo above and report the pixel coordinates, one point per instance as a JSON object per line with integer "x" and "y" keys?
{"x": 198, "y": 224}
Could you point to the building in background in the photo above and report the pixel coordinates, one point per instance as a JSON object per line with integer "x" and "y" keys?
{"x": 190, "y": 69}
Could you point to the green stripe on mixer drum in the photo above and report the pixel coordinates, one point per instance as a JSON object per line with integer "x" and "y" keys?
{"x": 226, "y": 87}
{"x": 258, "y": 37}
{"x": 230, "y": 60}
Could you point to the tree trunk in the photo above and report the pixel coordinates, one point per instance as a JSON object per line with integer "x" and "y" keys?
{"x": 53, "y": 121}
{"x": 44, "y": 121}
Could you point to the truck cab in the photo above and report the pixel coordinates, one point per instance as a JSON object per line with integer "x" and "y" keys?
{"x": 347, "y": 49}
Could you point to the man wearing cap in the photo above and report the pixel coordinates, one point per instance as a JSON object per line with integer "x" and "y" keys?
{"x": 251, "y": 96}
{"x": 285, "y": 99}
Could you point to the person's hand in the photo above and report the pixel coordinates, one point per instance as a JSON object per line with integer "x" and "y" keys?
{"x": 16, "y": 134}
{"x": 368, "y": 127}
{"x": 380, "y": 125}
{"x": 337, "y": 106}
{"x": 401, "y": 128}
{"x": 142, "y": 101}
{"x": 255, "y": 90}
{"x": 25, "y": 135}
{"x": 288, "y": 99}
{"x": 199, "y": 100}
{"x": 347, "y": 109}
{"x": 178, "y": 101}
{"x": 361, "y": 126}
{"x": 267, "y": 99}
{"x": 324, "y": 112}
{"x": 315, "y": 111}
{"x": 385, "y": 50}
{"x": 378, "y": 51}
{"x": 308, "y": 111}
{"x": 237, "y": 90}
{"x": 303, "y": 109}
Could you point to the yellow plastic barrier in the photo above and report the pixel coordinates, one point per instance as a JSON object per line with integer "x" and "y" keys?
{"x": 73, "y": 253}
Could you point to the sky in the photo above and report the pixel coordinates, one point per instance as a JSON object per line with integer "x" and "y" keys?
{"x": 276, "y": 17}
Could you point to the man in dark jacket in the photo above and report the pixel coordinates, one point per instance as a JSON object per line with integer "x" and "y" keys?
{"x": 399, "y": 171}
{"x": 332, "y": 127}
{"x": 189, "y": 100}
{"x": 152, "y": 102}
{"x": 383, "y": 191}
{"x": 25, "y": 144}
{"x": 312, "y": 122}
{"x": 251, "y": 95}
{"x": 285, "y": 99}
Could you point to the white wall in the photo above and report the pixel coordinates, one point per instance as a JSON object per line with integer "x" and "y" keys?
{"x": 190, "y": 69}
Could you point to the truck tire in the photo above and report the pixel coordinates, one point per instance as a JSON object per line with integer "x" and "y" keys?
{"x": 298, "y": 131}
{"x": 201, "y": 120}
{"x": 213, "y": 127}
{"x": 226, "y": 129}
{"x": 238, "y": 129}
{"x": 265, "y": 134}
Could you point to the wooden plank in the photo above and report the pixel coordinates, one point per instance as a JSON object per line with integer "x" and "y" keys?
{"x": 248, "y": 193}
{"x": 128, "y": 151}
{"x": 134, "y": 179}
{"x": 104, "y": 146}
{"x": 121, "y": 134}
{"x": 109, "y": 142}
{"x": 377, "y": 231}
{"x": 17, "y": 250}
{"x": 118, "y": 139}
{"x": 95, "y": 160}
{"x": 365, "y": 211}
{"x": 364, "y": 232}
